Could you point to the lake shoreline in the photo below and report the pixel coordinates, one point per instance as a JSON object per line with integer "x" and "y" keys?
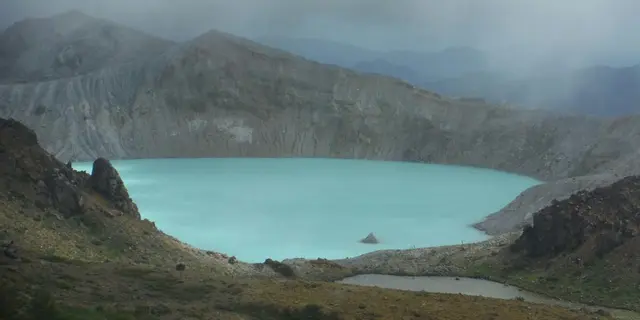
{"x": 460, "y": 261}
{"x": 406, "y": 205}
{"x": 473, "y": 286}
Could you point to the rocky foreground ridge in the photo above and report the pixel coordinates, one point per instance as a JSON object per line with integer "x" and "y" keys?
{"x": 586, "y": 247}
{"x": 223, "y": 96}
{"x": 29, "y": 172}
{"x": 595, "y": 222}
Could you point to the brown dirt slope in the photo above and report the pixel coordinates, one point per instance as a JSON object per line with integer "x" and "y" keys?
{"x": 585, "y": 248}
{"x": 55, "y": 211}
{"x": 74, "y": 251}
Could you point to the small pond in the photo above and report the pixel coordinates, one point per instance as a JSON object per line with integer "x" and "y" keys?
{"x": 469, "y": 286}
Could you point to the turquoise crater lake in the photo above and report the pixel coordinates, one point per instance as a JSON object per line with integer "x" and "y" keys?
{"x": 282, "y": 208}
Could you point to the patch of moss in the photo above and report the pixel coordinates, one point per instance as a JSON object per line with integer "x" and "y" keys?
{"x": 15, "y": 304}
{"x": 93, "y": 314}
{"x": 268, "y": 312}
{"x": 53, "y": 257}
{"x": 356, "y": 302}
{"x": 599, "y": 283}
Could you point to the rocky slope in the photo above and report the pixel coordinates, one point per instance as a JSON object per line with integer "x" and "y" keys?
{"x": 50, "y": 209}
{"x": 600, "y": 220}
{"x": 219, "y": 95}
{"x": 593, "y": 236}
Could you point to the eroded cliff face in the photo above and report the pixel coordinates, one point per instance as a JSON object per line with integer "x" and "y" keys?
{"x": 601, "y": 219}
{"x": 223, "y": 96}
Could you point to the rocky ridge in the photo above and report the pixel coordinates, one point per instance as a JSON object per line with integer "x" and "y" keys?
{"x": 586, "y": 247}
{"x": 223, "y": 96}
{"x": 26, "y": 168}
{"x": 589, "y": 222}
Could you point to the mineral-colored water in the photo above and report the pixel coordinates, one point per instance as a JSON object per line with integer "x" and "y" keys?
{"x": 285, "y": 208}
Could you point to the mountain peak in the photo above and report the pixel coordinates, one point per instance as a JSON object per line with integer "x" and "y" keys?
{"x": 73, "y": 14}
{"x": 69, "y": 44}
{"x": 60, "y": 23}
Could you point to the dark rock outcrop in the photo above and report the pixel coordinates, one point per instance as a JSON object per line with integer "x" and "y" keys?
{"x": 106, "y": 180}
{"x": 23, "y": 163}
{"x": 589, "y": 223}
{"x": 30, "y": 173}
{"x": 64, "y": 192}
{"x": 281, "y": 268}
{"x": 10, "y": 250}
{"x": 370, "y": 239}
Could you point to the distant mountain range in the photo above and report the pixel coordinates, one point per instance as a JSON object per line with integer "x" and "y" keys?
{"x": 466, "y": 72}
{"x": 600, "y": 90}
{"x": 424, "y": 66}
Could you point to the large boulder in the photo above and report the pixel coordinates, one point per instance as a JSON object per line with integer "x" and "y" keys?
{"x": 370, "y": 239}
{"x": 106, "y": 180}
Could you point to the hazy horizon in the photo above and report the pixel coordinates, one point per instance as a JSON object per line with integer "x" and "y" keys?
{"x": 518, "y": 32}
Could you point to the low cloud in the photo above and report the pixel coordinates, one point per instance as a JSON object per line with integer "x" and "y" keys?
{"x": 516, "y": 31}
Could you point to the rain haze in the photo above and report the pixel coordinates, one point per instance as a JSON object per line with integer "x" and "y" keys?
{"x": 515, "y": 32}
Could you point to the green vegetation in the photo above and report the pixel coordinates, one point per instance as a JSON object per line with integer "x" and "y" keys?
{"x": 600, "y": 283}
{"x": 16, "y": 305}
{"x": 309, "y": 311}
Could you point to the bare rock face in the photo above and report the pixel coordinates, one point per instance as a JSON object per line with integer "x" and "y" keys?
{"x": 106, "y": 180}
{"x": 370, "y": 239}
{"x": 30, "y": 175}
{"x": 25, "y": 169}
{"x": 591, "y": 223}
{"x": 64, "y": 192}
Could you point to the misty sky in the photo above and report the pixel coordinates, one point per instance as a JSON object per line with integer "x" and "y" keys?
{"x": 596, "y": 30}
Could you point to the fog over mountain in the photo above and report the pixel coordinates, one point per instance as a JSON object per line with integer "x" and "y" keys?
{"x": 524, "y": 35}
{"x": 542, "y": 54}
